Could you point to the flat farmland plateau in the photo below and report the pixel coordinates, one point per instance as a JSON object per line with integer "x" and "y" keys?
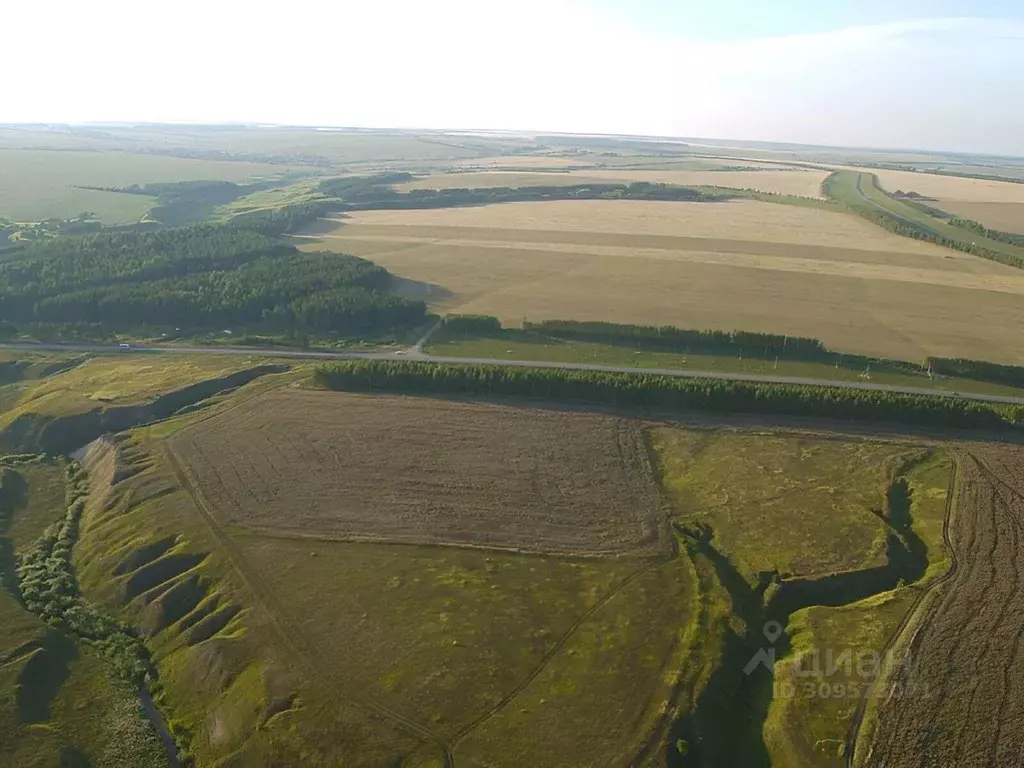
{"x": 355, "y": 467}
{"x": 744, "y": 265}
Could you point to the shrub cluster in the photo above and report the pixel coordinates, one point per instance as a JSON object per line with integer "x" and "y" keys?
{"x": 48, "y": 588}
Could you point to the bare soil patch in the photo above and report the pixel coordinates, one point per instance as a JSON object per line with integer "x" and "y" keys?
{"x": 353, "y": 467}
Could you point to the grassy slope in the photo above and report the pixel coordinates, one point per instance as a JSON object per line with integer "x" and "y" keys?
{"x": 112, "y": 380}
{"x": 524, "y": 346}
{"x": 59, "y": 704}
{"x": 236, "y": 687}
{"x": 807, "y": 723}
{"x": 43, "y": 505}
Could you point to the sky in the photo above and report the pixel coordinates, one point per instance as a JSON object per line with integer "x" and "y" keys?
{"x": 926, "y": 74}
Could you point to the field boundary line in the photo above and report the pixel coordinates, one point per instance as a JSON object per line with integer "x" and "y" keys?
{"x": 854, "y": 732}
{"x": 263, "y": 594}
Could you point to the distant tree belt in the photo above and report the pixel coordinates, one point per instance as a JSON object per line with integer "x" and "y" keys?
{"x": 471, "y": 325}
{"x": 908, "y": 227}
{"x": 450, "y": 198}
{"x": 376, "y": 192}
{"x": 657, "y": 391}
{"x": 199, "y": 276}
{"x": 674, "y": 339}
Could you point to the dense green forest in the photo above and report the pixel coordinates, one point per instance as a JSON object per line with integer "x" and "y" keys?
{"x": 201, "y": 276}
{"x": 657, "y": 391}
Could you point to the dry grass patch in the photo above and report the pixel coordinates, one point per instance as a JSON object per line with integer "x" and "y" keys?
{"x": 739, "y": 265}
{"x": 360, "y": 467}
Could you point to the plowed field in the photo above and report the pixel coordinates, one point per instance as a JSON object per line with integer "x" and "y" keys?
{"x": 958, "y": 697}
{"x": 353, "y": 467}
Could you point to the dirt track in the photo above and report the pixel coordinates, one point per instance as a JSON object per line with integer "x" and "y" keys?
{"x": 959, "y": 698}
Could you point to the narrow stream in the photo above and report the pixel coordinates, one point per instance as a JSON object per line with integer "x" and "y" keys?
{"x": 157, "y": 720}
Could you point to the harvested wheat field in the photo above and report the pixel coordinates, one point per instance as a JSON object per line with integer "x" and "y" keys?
{"x": 738, "y": 265}
{"x": 353, "y": 467}
{"x": 800, "y": 182}
{"x": 958, "y": 699}
{"x": 946, "y": 188}
{"x": 1006, "y": 217}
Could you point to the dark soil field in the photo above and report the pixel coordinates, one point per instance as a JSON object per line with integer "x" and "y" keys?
{"x": 957, "y": 697}
{"x": 353, "y": 467}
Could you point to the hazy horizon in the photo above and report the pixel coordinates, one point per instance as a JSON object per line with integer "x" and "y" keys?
{"x": 942, "y": 75}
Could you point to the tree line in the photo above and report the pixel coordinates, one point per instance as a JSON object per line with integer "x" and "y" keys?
{"x": 659, "y": 391}
{"x": 672, "y": 339}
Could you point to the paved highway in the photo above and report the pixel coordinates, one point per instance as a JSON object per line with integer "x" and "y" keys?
{"x": 416, "y": 353}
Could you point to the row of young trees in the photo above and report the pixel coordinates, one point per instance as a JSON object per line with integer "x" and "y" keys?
{"x": 657, "y": 391}
{"x": 670, "y": 338}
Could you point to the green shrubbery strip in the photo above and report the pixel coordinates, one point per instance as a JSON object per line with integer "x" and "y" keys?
{"x": 48, "y": 588}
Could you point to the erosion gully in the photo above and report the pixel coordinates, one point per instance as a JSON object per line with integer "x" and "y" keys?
{"x": 725, "y": 727}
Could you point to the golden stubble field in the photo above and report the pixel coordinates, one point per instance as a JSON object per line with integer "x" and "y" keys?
{"x": 739, "y": 265}
{"x": 800, "y": 182}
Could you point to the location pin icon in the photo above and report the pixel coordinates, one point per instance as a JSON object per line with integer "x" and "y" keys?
{"x": 772, "y": 630}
